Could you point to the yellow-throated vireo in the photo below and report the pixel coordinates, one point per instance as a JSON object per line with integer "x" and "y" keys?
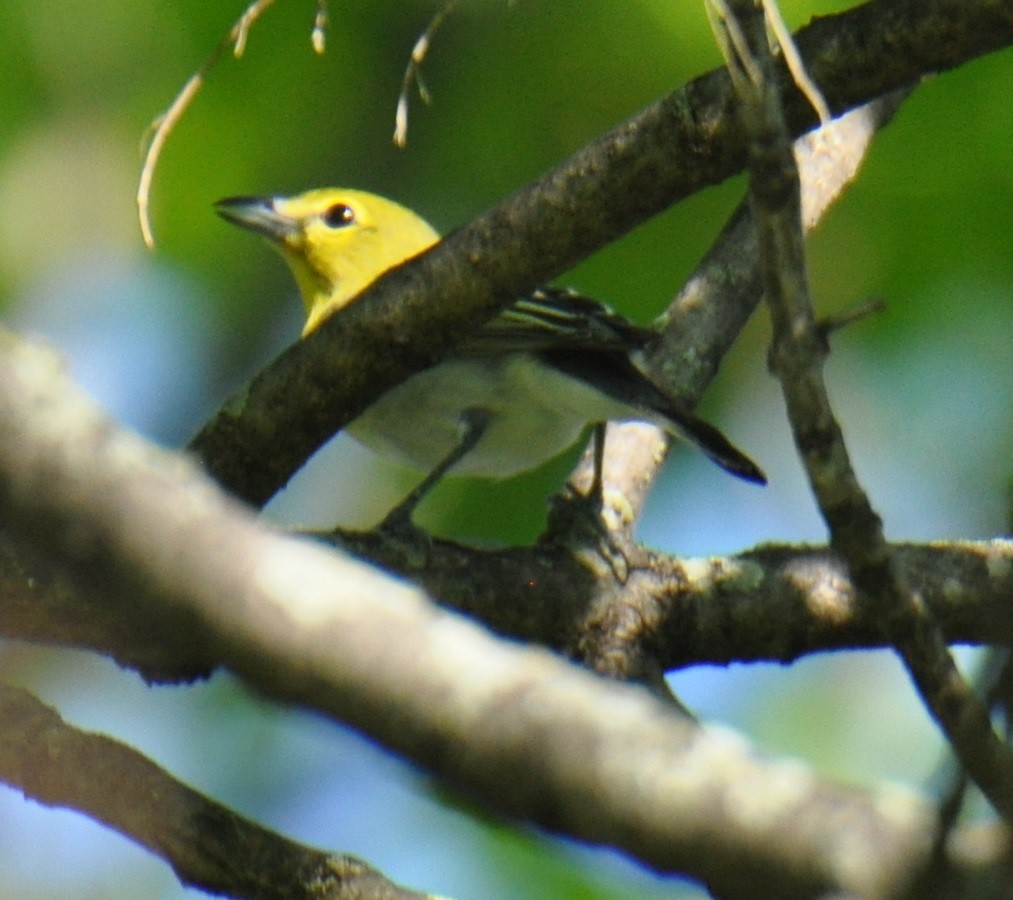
{"x": 513, "y": 394}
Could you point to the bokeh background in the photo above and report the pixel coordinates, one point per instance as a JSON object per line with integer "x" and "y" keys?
{"x": 924, "y": 390}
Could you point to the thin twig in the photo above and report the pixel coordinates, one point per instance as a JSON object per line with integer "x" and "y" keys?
{"x": 793, "y": 59}
{"x": 162, "y": 126}
{"x": 729, "y": 35}
{"x": 827, "y": 325}
{"x": 993, "y": 671}
{"x": 412, "y": 72}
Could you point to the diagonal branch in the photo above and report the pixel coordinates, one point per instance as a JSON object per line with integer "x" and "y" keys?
{"x": 208, "y": 846}
{"x": 797, "y": 356}
{"x": 692, "y": 139}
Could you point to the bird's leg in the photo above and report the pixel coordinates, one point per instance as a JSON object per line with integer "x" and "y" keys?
{"x": 585, "y": 513}
{"x": 596, "y": 493}
{"x": 573, "y": 503}
{"x": 614, "y": 546}
{"x": 474, "y": 422}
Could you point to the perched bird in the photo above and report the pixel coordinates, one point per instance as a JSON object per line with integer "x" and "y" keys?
{"x": 513, "y": 394}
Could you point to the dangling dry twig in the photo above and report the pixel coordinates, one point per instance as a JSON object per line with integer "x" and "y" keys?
{"x": 776, "y": 23}
{"x": 319, "y": 35}
{"x": 160, "y": 129}
{"x": 728, "y": 32}
{"x": 412, "y": 71}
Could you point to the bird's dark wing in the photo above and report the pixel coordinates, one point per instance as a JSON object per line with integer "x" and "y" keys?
{"x": 586, "y": 340}
{"x": 555, "y": 318}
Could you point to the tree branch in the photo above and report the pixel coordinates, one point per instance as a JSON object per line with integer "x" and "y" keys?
{"x": 604, "y": 762}
{"x": 208, "y": 846}
{"x": 45, "y": 601}
{"x": 797, "y": 355}
{"x": 771, "y": 604}
{"x": 412, "y": 316}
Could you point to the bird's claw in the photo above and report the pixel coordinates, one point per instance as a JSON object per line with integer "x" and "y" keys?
{"x": 580, "y": 518}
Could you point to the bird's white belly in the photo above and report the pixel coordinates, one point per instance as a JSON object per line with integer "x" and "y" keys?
{"x": 534, "y": 413}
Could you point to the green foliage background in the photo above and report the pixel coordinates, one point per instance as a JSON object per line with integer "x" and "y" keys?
{"x": 925, "y": 389}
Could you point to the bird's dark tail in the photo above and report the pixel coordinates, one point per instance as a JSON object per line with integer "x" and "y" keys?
{"x": 714, "y": 444}
{"x": 613, "y": 372}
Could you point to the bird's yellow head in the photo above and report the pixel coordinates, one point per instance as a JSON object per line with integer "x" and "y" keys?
{"x": 336, "y": 241}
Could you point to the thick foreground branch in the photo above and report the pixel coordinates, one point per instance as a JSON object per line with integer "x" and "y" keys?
{"x": 518, "y": 729}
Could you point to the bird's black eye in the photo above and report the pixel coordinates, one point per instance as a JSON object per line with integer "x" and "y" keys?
{"x": 340, "y": 215}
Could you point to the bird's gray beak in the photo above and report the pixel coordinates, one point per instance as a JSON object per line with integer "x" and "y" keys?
{"x": 258, "y": 214}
